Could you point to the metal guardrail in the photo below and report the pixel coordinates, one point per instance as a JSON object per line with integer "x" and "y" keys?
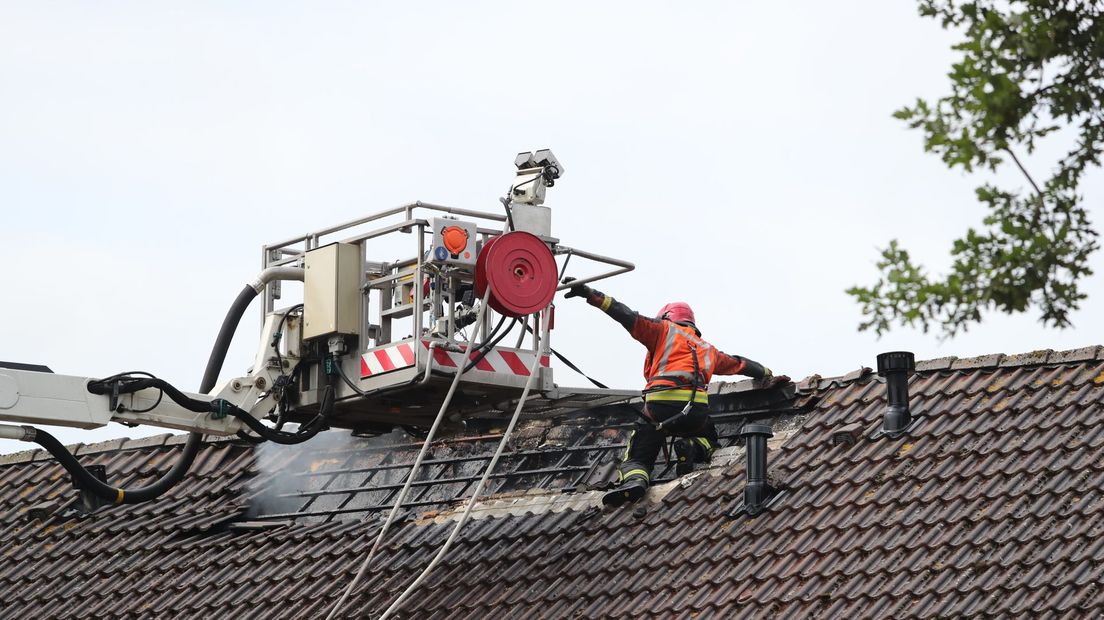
{"x": 621, "y": 266}
{"x": 282, "y": 252}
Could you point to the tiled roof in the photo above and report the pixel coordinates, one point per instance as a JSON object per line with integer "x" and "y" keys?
{"x": 992, "y": 505}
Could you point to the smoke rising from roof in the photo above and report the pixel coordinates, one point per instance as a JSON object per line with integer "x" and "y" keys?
{"x": 290, "y": 478}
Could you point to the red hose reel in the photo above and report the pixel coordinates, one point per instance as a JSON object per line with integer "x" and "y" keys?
{"x": 520, "y": 271}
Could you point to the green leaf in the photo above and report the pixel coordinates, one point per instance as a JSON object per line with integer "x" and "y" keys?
{"x": 1023, "y": 69}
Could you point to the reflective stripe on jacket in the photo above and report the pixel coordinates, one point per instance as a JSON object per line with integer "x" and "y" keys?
{"x": 672, "y": 365}
{"x": 681, "y": 396}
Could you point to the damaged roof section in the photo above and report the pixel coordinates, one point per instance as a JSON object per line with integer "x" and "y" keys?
{"x": 533, "y": 501}
{"x": 989, "y": 506}
{"x": 340, "y": 477}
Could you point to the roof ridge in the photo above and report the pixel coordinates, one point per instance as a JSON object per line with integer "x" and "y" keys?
{"x": 1042, "y": 357}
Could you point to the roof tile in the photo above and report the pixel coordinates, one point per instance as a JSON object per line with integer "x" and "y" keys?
{"x": 981, "y": 361}
{"x": 941, "y": 363}
{"x": 102, "y": 446}
{"x": 1004, "y": 471}
{"x": 1032, "y": 358}
{"x": 1084, "y": 354}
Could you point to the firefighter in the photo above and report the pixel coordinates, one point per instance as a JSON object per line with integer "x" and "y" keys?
{"x": 678, "y": 367}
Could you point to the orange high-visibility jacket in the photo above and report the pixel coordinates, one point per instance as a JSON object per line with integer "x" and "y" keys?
{"x": 669, "y": 367}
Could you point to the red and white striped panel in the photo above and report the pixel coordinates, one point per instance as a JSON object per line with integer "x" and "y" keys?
{"x": 401, "y": 355}
{"x": 387, "y": 359}
{"x": 504, "y": 361}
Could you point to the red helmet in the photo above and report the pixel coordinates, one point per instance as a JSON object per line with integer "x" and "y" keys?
{"x": 677, "y": 311}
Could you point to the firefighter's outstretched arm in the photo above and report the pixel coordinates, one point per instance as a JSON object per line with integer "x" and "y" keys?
{"x": 647, "y": 330}
{"x": 736, "y": 365}
{"x": 617, "y": 310}
{"x": 644, "y": 329}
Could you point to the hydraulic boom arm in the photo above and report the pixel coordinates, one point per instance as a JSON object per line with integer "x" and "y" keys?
{"x": 30, "y": 397}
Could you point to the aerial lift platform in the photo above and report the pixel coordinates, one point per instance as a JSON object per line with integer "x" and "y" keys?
{"x": 407, "y": 324}
{"x": 377, "y": 341}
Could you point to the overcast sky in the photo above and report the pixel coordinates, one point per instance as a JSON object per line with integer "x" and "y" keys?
{"x": 741, "y": 154}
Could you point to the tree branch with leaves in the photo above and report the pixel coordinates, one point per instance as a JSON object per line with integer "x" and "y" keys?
{"x": 1027, "y": 69}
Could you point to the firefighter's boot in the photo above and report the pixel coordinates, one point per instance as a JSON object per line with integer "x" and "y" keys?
{"x": 631, "y": 490}
{"x": 684, "y": 456}
{"x": 691, "y": 450}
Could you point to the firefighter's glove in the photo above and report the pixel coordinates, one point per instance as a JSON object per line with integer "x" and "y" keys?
{"x": 580, "y": 290}
{"x": 770, "y": 380}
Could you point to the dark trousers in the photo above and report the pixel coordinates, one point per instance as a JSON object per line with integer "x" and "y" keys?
{"x": 646, "y": 441}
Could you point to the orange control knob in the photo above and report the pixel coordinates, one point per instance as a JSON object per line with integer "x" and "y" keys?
{"x": 455, "y": 239}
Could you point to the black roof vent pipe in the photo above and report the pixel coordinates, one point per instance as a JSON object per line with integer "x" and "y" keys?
{"x": 757, "y": 493}
{"x": 896, "y": 366}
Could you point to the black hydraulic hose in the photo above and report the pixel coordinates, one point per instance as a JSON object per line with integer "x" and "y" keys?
{"x": 509, "y": 212}
{"x": 305, "y": 432}
{"x": 494, "y": 332}
{"x": 135, "y": 385}
{"x": 281, "y": 437}
{"x": 191, "y": 447}
{"x": 246, "y": 437}
{"x": 221, "y": 406}
{"x": 489, "y": 344}
{"x": 225, "y": 335}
